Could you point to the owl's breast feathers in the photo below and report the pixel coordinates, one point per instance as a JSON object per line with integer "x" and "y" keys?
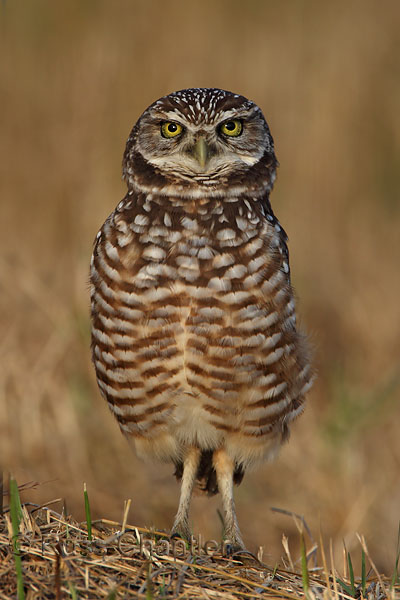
{"x": 194, "y": 329}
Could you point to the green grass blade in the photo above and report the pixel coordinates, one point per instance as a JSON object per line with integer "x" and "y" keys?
{"x": 149, "y": 583}
{"x": 351, "y": 575}
{"x": 16, "y": 516}
{"x": 363, "y": 574}
{"x": 162, "y": 589}
{"x": 15, "y": 499}
{"x": 304, "y": 567}
{"x": 345, "y": 587}
{"x": 395, "y": 577}
{"x": 1, "y": 493}
{"x": 72, "y": 591}
{"x": 87, "y": 512}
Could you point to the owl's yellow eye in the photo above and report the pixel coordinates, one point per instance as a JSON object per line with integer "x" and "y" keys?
{"x": 169, "y": 129}
{"x": 232, "y": 128}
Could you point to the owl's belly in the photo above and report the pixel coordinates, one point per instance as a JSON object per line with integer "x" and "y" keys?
{"x": 196, "y": 370}
{"x": 232, "y": 373}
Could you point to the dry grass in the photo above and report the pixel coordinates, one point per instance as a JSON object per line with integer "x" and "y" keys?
{"x": 62, "y": 558}
{"x": 74, "y": 76}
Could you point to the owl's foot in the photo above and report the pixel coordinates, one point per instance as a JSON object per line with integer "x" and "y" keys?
{"x": 191, "y": 461}
{"x": 225, "y": 468}
{"x": 233, "y": 541}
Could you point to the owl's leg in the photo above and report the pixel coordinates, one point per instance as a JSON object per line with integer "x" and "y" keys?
{"x": 190, "y": 466}
{"x": 224, "y": 468}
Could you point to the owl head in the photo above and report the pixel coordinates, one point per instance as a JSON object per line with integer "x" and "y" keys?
{"x": 201, "y": 141}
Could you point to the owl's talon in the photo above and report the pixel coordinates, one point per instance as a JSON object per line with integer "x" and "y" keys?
{"x": 233, "y": 548}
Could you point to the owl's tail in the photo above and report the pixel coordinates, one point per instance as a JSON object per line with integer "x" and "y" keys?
{"x": 206, "y": 477}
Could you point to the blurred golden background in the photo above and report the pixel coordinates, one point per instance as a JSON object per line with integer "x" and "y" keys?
{"x": 74, "y": 77}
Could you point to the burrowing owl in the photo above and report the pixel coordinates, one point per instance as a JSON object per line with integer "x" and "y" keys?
{"x": 194, "y": 329}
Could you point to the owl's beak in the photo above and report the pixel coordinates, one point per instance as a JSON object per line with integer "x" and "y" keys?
{"x": 201, "y": 152}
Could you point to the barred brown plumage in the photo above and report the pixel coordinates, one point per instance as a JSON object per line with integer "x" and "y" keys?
{"x": 194, "y": 333}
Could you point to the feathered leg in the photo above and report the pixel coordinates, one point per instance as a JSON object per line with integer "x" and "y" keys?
{"x": 224, "y": 467}
{"x": 190, "y": 467}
